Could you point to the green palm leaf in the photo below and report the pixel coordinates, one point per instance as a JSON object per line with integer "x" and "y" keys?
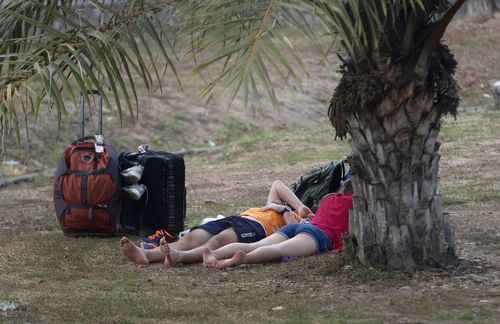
{"x": 58, "y": 44}
{"x": 243, "y": 44}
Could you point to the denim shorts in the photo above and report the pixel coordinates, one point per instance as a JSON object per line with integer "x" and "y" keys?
{"x": 323, "y": 242}
{"x": 248, "y": 231}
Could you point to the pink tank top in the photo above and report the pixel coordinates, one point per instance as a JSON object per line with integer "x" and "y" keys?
{"x": 332, "y": 217}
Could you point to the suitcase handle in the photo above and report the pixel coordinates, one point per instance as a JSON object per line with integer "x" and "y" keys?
{"x": 134, "y": 157}
{"x": 84, "y": 139}
{"x": 82, "y": 113}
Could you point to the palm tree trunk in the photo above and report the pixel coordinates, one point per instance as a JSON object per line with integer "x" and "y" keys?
{"x": 398, "y": 218}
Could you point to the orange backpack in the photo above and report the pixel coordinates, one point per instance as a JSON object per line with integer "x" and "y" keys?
{"x": 87, "y": 190}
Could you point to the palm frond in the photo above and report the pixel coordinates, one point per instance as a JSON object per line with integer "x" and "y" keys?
{"x": 244, "y": 39}
{"x": 243, "y": 45}
{"x": 65, "y": 47}
{"x": 423, "y": 62}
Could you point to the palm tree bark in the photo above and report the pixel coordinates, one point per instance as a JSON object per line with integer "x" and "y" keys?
{"x": 398, "y": 217}
{"x": 394, "y": 120}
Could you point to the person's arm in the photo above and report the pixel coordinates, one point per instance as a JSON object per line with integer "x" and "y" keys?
{"x": 289, "y": 217}
{"x": 281, "y": 193}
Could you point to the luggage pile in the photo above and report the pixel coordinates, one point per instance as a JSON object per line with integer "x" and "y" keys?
{"x": 90, "y": 179}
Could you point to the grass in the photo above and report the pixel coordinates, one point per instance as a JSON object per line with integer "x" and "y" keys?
{"x": 467, "y": 316}
{"x": 481, "y": 133}
{"x": 477, "y": 62}
{"x": 462, "y": 193}
{"x": 62, "y": 279}
{"x": 203, "y": 209}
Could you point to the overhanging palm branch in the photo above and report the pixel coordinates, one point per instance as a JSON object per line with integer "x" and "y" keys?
{"x": 250, "y": 37}
{"x": 245, "y": 38}
{"x": 65, "y": 47}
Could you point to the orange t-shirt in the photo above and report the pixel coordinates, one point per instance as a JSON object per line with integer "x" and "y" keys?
{"x": 270, "y": 219}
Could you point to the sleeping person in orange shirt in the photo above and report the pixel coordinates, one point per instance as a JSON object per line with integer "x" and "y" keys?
{"x": 250, "y": 226}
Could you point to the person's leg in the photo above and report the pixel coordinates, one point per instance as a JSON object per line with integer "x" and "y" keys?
{"x": 210, "y": 257}
{"x": 228, "y": 250}
{"x": 138, "y": 254}
{"x": 174, "y": 256}
{"x": 298, "y": 246}
{"x": 193, "y": 239}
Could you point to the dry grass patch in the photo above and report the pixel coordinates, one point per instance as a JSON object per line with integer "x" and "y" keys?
{"x": 60, "y": 279}
{"x": 88, "y": 280}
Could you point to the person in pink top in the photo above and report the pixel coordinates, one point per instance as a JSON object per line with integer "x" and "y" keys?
{"x": 323, "y": 233}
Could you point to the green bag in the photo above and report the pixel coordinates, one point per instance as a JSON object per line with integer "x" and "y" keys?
{"x": 315, "y": 184}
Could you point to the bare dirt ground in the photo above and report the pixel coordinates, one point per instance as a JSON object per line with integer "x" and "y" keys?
{"x": 58, "y": 279}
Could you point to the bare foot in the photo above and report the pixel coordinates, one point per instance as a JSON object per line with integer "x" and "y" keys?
{"x": 209, "y": 259}
{"x": 237, "y": 259}
{"x": 132, "y": 251}
{"x": 171, "y": 254}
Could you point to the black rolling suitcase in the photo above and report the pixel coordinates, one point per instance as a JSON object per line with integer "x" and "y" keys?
{"x": 163, "y": 204}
